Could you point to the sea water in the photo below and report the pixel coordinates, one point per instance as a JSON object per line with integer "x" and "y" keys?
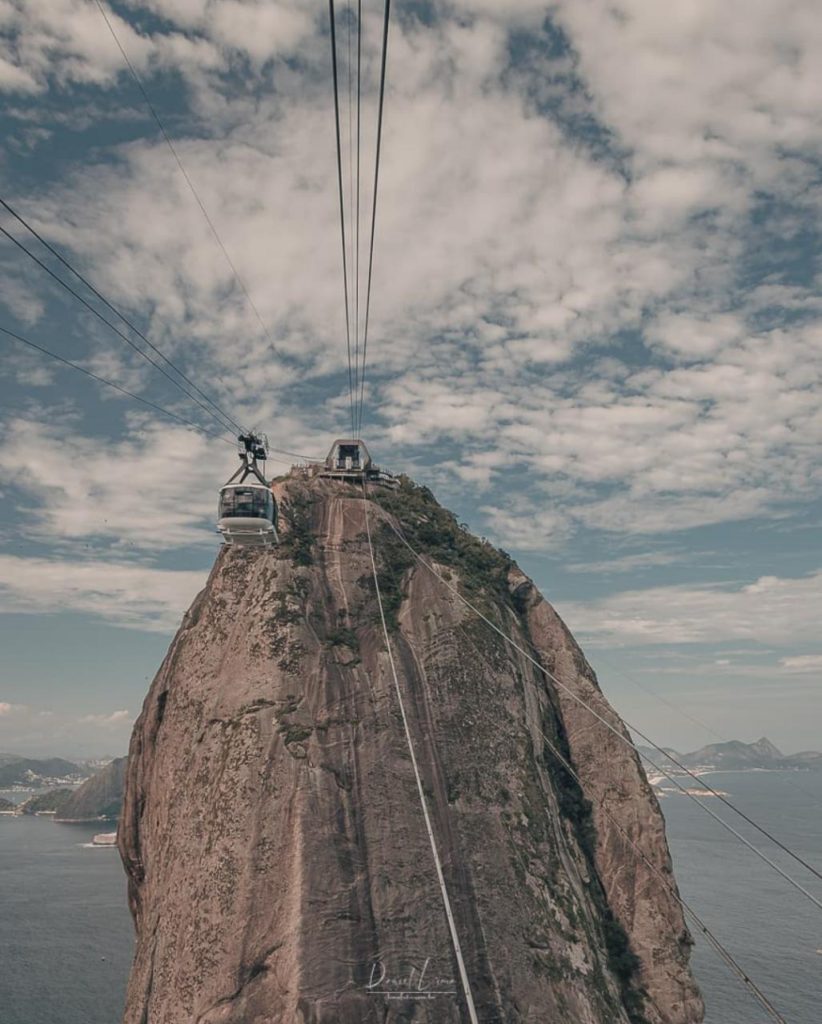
{"x": 66, "y": 937}
{"x": 772, "y": 930}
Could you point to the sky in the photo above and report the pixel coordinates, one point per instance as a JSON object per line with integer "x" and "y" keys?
{"x": 596, "y": 328}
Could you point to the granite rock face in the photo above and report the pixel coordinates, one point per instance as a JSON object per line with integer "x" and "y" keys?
{"x": 280, "y": 871}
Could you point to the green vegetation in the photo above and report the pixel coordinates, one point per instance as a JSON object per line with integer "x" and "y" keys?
{"x": 298, "y": 541}
{"x": 394, "y": 560}
{"x": 343, "y": 637}
{"x": 481, "y": 569}
{"x": 289, "y": 606}
{"x": 294, "y": 733}
{"x": 436, "y": 533}
{"x": 47, "y": 802}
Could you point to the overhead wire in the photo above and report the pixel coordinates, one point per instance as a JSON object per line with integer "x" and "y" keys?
{"x": 716, "y": 943}
{"x": 351, "y": 205}
{"x": 232, "y": 423}
{"x": 789, "y": 777}
{"x": 111, "y": 384}
{"x": 170, "y": 143}
{"x": 380, "y": 111}
{"x": 360, "y": 373}
{"x": 357, "y": 214}
{"x": 139, "y": 398}
{"x": 109, "y": 324}
{"x": 721, "y": 950}
{"x": 627, "y": 741}
{"x": 333, "y": 20}
{"x": 466, "y": 987}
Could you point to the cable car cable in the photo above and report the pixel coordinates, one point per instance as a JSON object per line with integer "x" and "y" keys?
{"x": 718, "y": 946}
{"x": 420, "y": 790}
{"x": 351, "y": 206}
{"x": 626, "y": 740}
{"x": 357, "y": 219}
{"x": 678, "y": 709}
{"x": 128, "y": 341}
{"x": 332, "y": 19}
{"x": 109, "y": 324}
{"x": 232, "y": 424}
{"x": 409, "y": 741}
{"x": 139, "y": 398}
{"x": 117, "y": 387}
{"x": 188, "y": 181}
{"x": 722, "y": 951}
{"x": 374, "y": 207}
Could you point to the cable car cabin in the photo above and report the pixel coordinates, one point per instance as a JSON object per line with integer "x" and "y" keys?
{"x": 247, "y": 514}
{"x": 350, "y": 461}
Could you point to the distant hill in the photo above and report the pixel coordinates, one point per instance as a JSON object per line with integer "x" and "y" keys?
{"x": 101, "y": 796}
{"x": 26, "y": 771}
{"x": 735, "y": 755}
{"x": 6, "y": 805}
{"x": 45, "y": 802}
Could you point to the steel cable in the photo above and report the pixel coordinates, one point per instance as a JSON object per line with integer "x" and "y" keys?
{"x": 232, "y": 424}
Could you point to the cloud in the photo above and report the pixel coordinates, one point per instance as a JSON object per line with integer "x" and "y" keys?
{"x": 782, "y": 611}
{"x": 525, "y": 527}
{"x": 629, "y": 563}
{"x": 802, "y": 663}
{"x": 148, "y": 490}
{"x": 610, "y": 333}
{"x": 114, "y": 718}
{"x": 48, "y": 732}
{"x": 123, "y": 594}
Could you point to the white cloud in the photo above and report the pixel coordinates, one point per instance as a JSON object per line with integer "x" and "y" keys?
{"x": 124, "y": 594}
{"x": 527, "y": 529}
{"x": 630, "y": 563}
{"x": 802, "y": 663}
{"x": 771, "y": 610}
{"x": 493, "y": 274}
{"x": 57, "y": 731}
{"x": 150, "y": 490}
{"x": 113, "y": 719}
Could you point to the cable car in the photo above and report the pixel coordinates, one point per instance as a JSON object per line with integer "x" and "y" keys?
{"x": 247, "y": 510}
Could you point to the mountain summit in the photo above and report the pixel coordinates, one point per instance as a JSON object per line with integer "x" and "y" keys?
{"x": 280, "y": 867}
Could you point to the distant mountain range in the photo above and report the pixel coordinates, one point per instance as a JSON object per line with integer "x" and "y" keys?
{"x": 38, "y": 773}
{"x": 735, "y": 755}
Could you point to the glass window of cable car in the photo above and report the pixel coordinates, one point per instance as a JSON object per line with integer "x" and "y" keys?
{"x": 246, "y": 503}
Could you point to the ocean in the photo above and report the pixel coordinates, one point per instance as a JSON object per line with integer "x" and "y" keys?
{"x": 66, "y": 934}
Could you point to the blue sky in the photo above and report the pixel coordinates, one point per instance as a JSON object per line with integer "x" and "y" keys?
{"x": 596, "y": 328}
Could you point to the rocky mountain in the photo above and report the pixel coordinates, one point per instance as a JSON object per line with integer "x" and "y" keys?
{"x": 101, "y": 796}
{"x": 280, "y": 868}
{"x": 26, "y": 771}
{"x": 734, "y": 755}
